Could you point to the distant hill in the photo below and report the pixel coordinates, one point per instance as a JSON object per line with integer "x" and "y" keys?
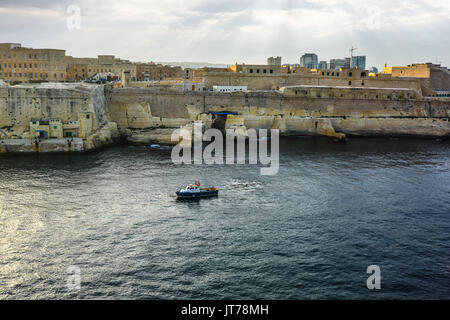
{"x": 194, "y": 65}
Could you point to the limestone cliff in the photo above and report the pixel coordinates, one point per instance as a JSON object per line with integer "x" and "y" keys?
{"x": 317, "y": 111}
{"x": 52, "y": 117}
{"x": 80, "y": 117}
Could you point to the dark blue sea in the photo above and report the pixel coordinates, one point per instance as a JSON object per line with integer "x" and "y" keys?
{"x": 309, "y": 232}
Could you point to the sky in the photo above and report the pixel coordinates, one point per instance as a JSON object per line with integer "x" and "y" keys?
{"x": 396, "y": 32}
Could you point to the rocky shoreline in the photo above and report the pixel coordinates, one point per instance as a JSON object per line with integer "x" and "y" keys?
{"x": 80, "y": 117}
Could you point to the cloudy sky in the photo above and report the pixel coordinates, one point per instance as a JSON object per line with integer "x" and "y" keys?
{"x": 396, "y": 32}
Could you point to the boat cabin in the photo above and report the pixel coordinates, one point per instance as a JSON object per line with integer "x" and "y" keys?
{"x": 193, "y": 188}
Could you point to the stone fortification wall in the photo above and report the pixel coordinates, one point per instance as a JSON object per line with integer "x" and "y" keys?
{"x": 267, "y": 82}
{"x": 321, "y": 111}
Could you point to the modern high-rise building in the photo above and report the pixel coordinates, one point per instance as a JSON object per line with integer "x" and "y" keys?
{"x": 322, "y": 65}
{"x": 337, "y": 63}
{"x": 359, "y": 61}
{"x": 309, "y": 60}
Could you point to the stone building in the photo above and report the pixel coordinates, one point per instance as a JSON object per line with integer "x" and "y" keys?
{"x": 103, "y": 64}
{"x": 126, "y": 79}
{"x": 433, "y": 76}
{"x": 257, "y": 69}
{"x": 152, "y": 71}
{"x": 22, "y": 64}
{"x": 77, "y": 72}
{"x": 274, "y": 61}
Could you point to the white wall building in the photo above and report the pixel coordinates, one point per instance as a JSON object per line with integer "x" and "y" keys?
{"x": 230, "y": 88}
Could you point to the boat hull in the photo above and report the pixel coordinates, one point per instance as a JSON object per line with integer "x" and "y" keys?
{"x": 202, "y": 194}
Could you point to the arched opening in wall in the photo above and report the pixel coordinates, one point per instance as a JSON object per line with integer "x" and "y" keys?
{"x": 219, "y": 121}
{"x": 349, "y": 83}
{"x": 363, "y": 74}
{"x": 350, "y": 74}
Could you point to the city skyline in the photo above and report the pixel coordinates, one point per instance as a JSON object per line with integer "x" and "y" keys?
{"x": 392, "y": 32}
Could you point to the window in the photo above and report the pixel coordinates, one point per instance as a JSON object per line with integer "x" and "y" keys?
{"x": 349, "y": 83}
{"x": 257, "y": 70}
{"x": 337, "y": 74}
{"x": 271, "y": 70}
{"x": 264, "y": 71}
{"x": 350, "y": 74}
{"x": 323, "y": 73}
